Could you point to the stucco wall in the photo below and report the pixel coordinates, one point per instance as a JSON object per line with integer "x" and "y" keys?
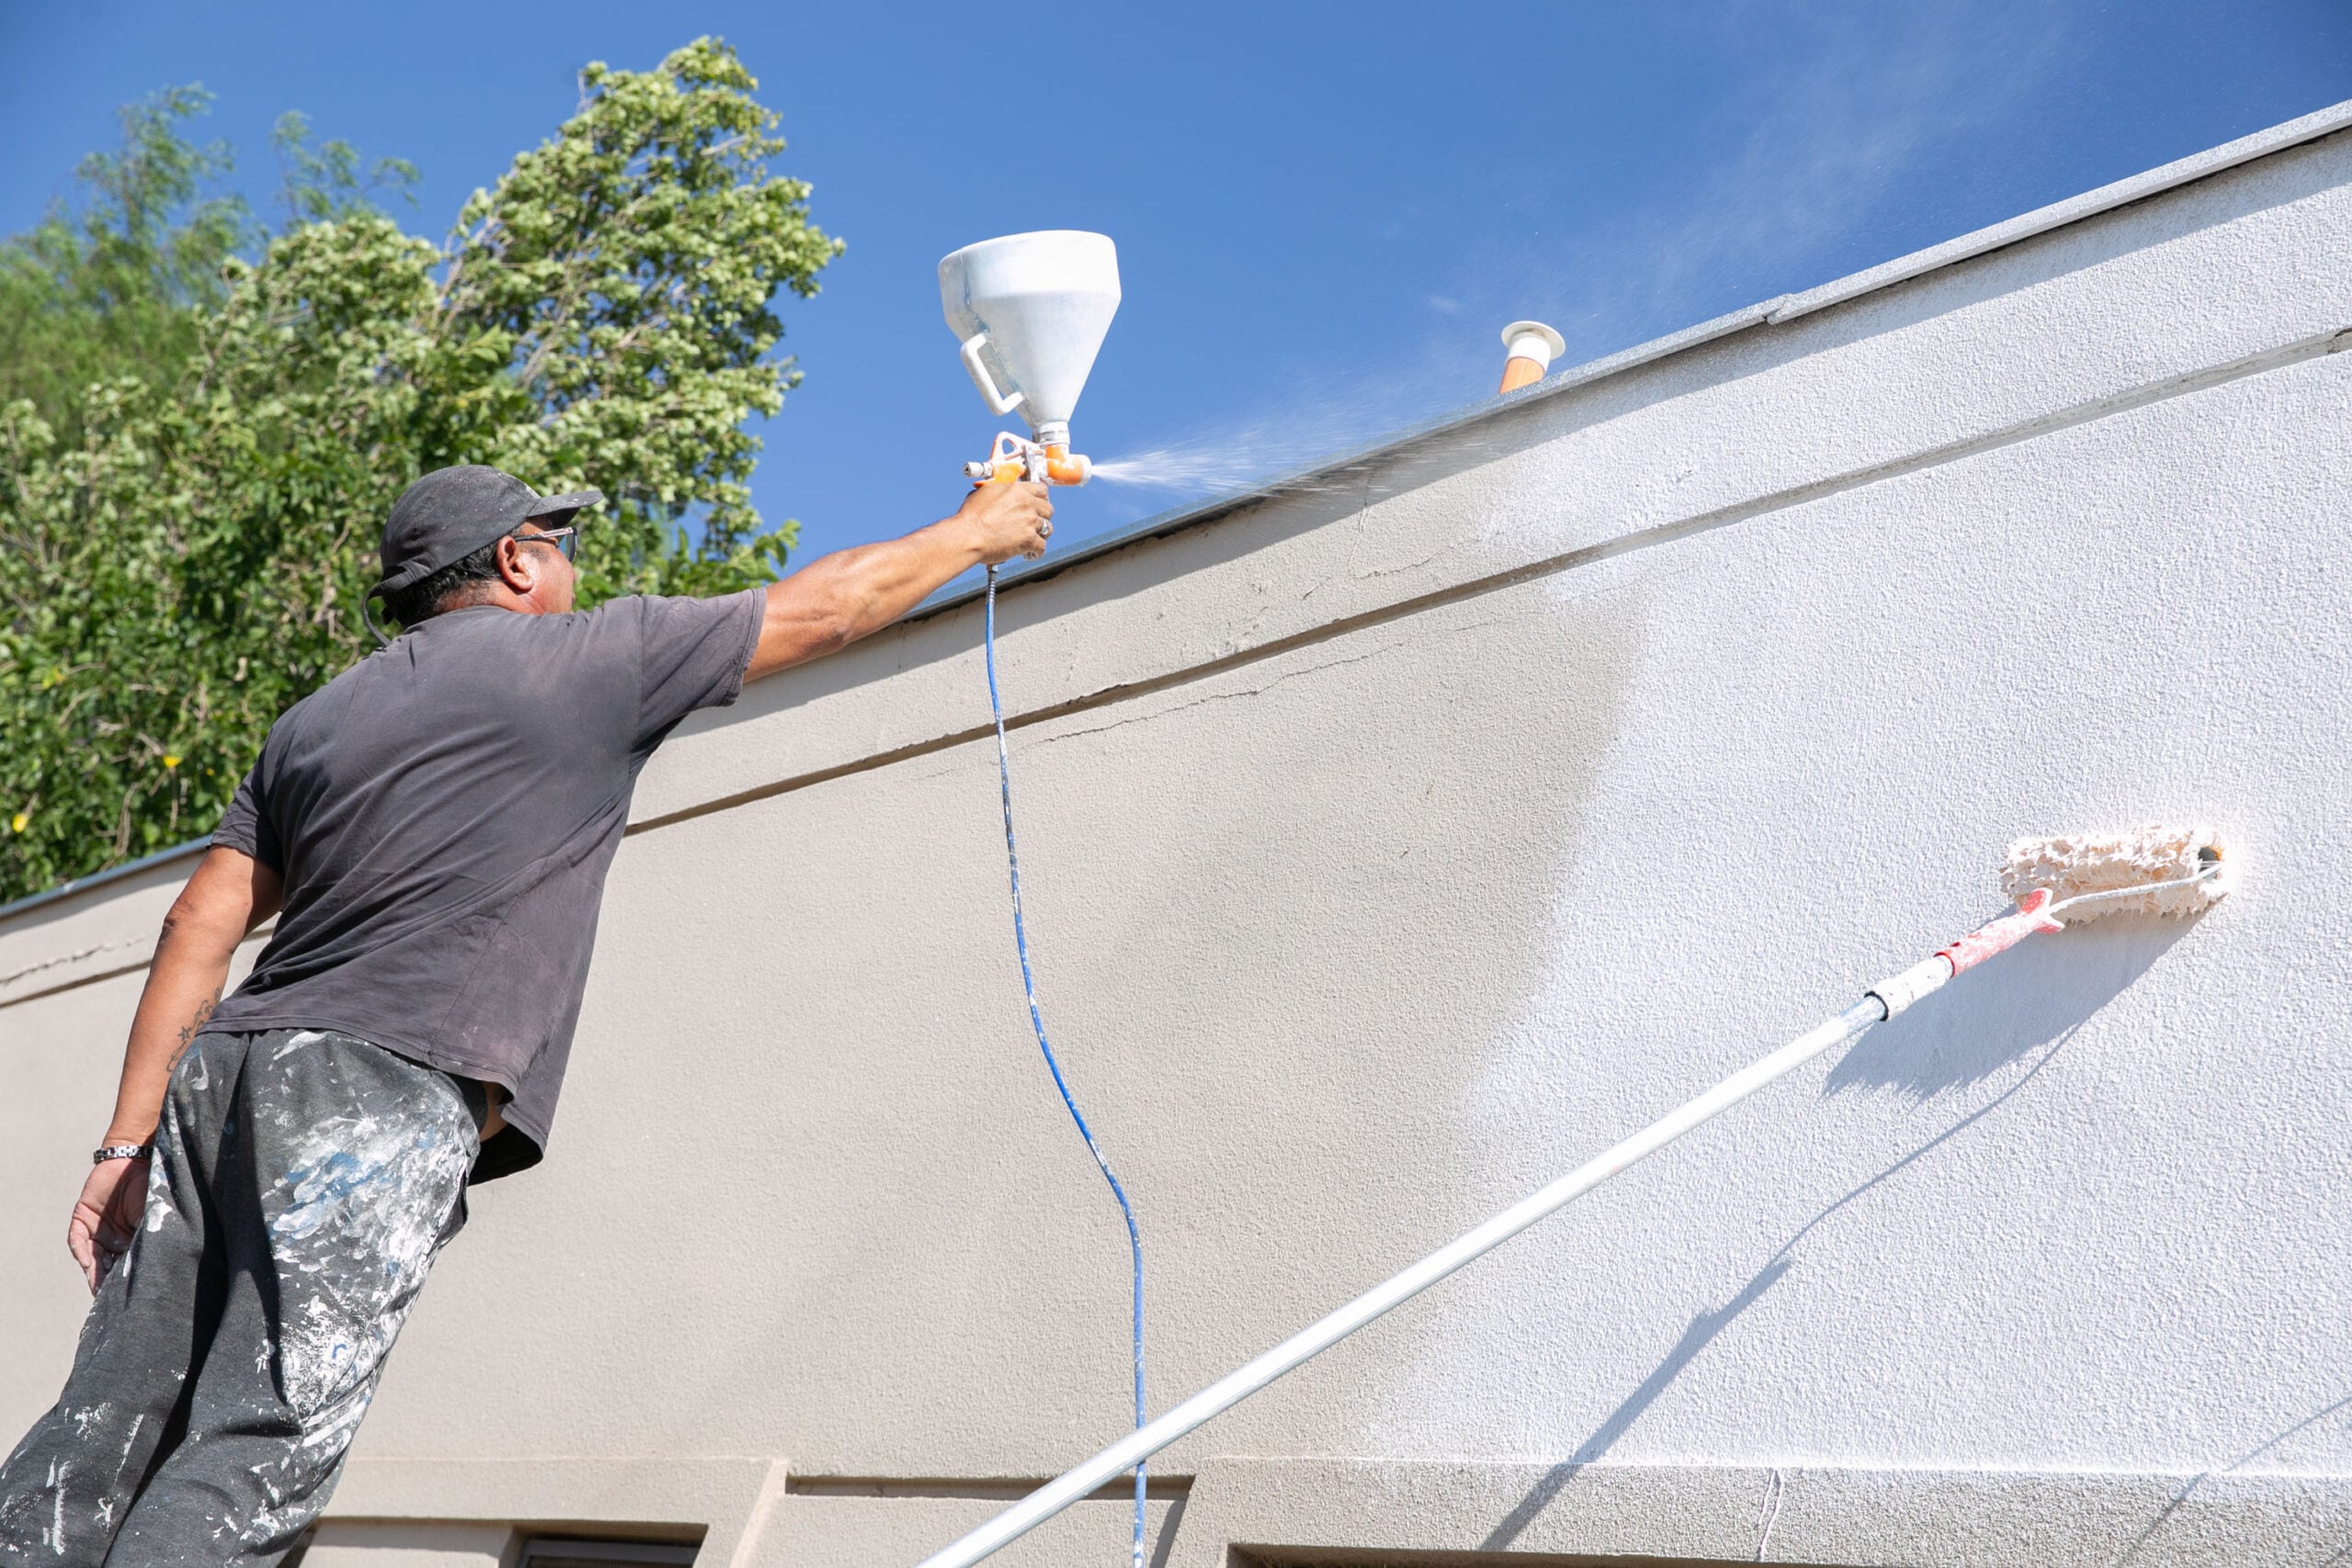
{"x": 1396, "y": 843}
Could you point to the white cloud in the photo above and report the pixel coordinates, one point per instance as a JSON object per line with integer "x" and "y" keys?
{"x": 1849, "y": 120}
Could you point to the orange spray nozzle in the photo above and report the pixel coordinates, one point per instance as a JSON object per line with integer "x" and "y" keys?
{"x": 1014, "y": 458}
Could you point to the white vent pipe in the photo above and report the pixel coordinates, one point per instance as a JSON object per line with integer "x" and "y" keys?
{"x": 1532, "y": 346}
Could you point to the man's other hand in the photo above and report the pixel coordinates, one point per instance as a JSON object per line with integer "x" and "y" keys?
{"x": 1008, "y": 520}
{"x": 106, "y": 1217}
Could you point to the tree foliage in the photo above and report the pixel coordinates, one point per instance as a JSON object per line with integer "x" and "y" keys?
{"x": 195, "y": 468}
{"x": 122, "y": 288}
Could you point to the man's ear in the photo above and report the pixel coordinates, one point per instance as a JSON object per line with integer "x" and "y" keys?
{"x": 515, "y": 567}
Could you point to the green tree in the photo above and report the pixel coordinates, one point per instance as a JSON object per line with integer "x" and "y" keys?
{"x": 184, "y": 539}
{"x": 319, "y": 184}
{"x": 122, "y": 288}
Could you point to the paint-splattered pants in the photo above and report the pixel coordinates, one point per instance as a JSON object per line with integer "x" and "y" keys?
{"x": 300, "y": 1185}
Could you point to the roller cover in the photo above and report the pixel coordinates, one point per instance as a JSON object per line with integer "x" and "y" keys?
{"x": 2076, "y": 864}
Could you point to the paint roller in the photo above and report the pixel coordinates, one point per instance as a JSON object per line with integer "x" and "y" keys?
{"x": 2154, "y": 870}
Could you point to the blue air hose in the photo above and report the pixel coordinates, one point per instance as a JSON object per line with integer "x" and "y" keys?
{"x": 1037, "y": 1022}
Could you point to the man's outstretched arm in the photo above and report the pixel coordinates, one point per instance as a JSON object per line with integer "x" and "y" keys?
{"x": 836, "y": 599}
{"x": 229, "y": 896}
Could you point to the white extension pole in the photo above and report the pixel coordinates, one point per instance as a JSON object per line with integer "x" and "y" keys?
{"x": 2076, "y": 864}
{"x": 1223, "y": 1395}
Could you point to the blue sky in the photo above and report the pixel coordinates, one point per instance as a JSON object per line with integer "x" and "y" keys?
{"x": 1324, "y": 213}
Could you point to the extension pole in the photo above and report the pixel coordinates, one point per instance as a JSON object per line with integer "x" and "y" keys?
{"x": 1223, "y": 1395}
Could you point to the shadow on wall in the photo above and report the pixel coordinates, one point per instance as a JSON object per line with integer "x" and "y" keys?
{"x": 1706, "y": 1325}
{"x": 2190, "y": 1488}
{"x": 2047, "y": 990}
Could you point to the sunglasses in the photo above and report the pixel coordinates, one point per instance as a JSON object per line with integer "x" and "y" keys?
{"x": 564, "y": 539}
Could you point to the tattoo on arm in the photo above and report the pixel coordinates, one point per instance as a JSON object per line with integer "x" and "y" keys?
{"x": 187, "y": 1031}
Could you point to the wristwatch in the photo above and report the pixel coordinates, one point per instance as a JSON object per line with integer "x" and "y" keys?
{"x": 118, "y": 1151}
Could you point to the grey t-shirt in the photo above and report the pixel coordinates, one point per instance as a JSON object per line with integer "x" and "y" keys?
{"x": 443, "y": 814}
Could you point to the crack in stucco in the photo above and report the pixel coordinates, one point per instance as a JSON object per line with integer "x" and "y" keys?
{"x": 13, "y": 976}
{"x": 1259, "y": 690}
{"x": 72, "y": 982}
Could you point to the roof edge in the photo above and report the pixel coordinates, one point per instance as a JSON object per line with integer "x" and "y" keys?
{"x": 2073, "y": 210}
{"x": 100, "y": 878}
{"x": 1782, "y": 308}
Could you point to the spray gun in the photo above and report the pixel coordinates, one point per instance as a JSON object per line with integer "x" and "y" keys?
{"x": 1029, "y": 312}
{"x": 1049, "y": 460}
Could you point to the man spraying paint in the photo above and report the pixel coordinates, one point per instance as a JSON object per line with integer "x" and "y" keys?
{"x": 432, "y": 831}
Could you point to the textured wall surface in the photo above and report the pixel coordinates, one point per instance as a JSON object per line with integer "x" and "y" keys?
{"x": 1394, "y": 845}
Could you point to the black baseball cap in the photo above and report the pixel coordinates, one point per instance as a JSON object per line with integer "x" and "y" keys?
{"x": 451, "y": 513}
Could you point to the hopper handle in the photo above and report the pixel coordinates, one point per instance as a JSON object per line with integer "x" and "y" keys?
{"x": 998, "y": 402}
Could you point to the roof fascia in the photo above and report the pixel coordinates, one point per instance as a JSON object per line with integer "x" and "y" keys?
{"x": 1770, "y": 313}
